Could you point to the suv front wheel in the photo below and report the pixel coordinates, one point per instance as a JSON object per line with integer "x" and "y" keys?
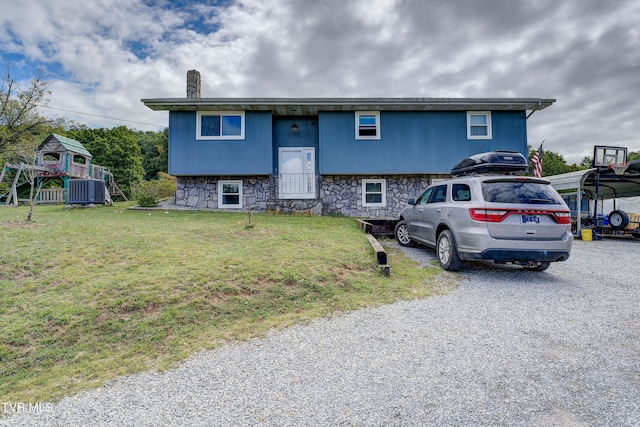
{"x": 447, "y": 252}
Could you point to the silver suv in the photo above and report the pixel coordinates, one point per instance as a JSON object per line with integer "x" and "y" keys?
{"x": 504, "y": 218}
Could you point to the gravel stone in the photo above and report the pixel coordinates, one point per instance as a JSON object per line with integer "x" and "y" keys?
{"x": 504, "y": 347}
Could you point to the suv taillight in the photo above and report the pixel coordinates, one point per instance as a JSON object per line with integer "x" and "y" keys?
{"x": 497, "y": 215}
{"x": 562, "y": 217}
{"x": 488, "y": 215}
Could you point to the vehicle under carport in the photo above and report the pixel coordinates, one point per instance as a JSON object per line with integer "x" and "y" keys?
{"x": 596, "y": 185}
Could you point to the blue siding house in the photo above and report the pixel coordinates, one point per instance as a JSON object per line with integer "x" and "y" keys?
{"x": 350, "y": 156}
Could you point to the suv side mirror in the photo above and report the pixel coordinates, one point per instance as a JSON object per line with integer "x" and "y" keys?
{"x": 411, "y": 201}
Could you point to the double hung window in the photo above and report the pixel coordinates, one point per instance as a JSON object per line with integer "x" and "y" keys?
{"x": 478, "y": 124}
{"x": 367, "y": 125}
{"x": 230, "y": 194}
{"x": 374, "y": 192}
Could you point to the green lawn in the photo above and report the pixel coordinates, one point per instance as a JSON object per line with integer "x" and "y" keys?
{"x": 87, "y": 295}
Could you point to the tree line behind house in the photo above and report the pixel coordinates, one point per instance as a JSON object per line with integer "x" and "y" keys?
{"x": 131, "y": 155}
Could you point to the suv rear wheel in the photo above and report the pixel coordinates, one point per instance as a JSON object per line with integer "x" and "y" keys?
{"x": 447, "y": 252}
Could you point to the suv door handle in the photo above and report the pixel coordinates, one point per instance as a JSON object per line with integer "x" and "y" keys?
{"x": 438, "y": 210}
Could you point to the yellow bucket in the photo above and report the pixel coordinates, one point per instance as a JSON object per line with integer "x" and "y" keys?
{"x": 587, "y": 234}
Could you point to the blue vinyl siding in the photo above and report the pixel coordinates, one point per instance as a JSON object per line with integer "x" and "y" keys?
{"x": 188, "y": 156}
{"x": 412, "y": 142}
{"x": 283, "y": 136}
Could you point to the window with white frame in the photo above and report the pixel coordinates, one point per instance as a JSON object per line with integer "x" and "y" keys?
{"x": 230, "y": 194}
{"x": 374, "y": 192}
{"x": 367, "y": 125}
{"x": 478, "y": 124}
{"x": 219, "y": 125}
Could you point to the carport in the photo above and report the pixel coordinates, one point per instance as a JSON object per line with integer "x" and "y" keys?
{"x": 582, "y": 184}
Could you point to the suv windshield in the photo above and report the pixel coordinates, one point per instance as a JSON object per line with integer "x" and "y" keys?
{"x": 519, "y": 192}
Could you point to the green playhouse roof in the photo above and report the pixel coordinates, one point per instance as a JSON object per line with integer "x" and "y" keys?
{"x": 70, "y": 144}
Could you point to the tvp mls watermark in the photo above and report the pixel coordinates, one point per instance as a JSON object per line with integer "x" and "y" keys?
{"x": 12, "y": 407}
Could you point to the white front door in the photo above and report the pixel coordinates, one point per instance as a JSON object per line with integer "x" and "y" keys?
{"x": 297, "y": 173}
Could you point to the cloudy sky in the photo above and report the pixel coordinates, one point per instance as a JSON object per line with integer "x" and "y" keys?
{"x": 104, "y": 56}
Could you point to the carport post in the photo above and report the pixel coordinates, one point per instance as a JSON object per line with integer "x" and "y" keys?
{"x": 595, "y": 201}
{"x": 579, "y": 209}
{"x": 579, "y": 200}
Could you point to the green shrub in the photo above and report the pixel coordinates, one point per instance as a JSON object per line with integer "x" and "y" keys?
{"x": 149, "y": 193}
{"x": 166, "y": 185}
{"x": 145, "y": 193}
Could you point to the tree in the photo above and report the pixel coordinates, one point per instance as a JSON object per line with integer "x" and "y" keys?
{"x": 155, "y": 152}
{"x": 21, "y": 124}
{"x": 586, "y": 162}
{"x": 19, "y": 116}
{"x": 27, "y": 153}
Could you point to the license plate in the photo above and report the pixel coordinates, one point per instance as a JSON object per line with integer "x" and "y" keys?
{"x": 526, "y": 219}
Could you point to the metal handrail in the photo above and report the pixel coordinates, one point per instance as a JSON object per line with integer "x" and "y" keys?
{"x": 296, "y": 185}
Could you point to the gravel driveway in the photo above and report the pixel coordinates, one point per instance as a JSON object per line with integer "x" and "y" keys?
{"x": 505, "y": 347}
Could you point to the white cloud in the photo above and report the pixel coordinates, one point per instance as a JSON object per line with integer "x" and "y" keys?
{"x": 108, "y": 55}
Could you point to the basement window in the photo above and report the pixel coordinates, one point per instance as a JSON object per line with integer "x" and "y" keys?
{"x": 219, "y": 125}
{"x": 230, "y": 194}
{"x": 374, "y": 192}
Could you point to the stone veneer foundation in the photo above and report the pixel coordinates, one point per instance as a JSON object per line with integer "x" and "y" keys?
{"x": 337, "y": 195}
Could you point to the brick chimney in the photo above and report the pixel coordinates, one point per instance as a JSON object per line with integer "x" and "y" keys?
{"x": 193, "y": 84}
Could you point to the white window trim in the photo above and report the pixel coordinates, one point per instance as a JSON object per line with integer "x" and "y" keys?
{"x": 222, "y": 205}
{"x": 383, "y": 189}
{"x": 368, "y": 113}
{"x": 479, "y": 113}
{"x": 200, "y": 114}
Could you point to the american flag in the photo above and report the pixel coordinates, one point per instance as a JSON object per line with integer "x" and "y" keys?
{"x": 536, "y": 161}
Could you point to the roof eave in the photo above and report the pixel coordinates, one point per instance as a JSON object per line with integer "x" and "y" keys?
{"x": 311, "y": 106}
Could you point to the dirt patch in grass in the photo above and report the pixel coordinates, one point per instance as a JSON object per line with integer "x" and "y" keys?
{"x": 21, "y": 224}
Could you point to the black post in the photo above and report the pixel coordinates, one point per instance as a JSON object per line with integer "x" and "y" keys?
{"x": 595, "y": 204}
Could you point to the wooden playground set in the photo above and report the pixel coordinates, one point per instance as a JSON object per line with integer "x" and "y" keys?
{"x": 59, "y": 161}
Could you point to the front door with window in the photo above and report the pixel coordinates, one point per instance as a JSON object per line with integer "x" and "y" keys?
{"x": 297, "y": 172}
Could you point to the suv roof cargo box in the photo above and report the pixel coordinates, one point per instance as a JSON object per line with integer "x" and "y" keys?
{"x": 491, "y": 162}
